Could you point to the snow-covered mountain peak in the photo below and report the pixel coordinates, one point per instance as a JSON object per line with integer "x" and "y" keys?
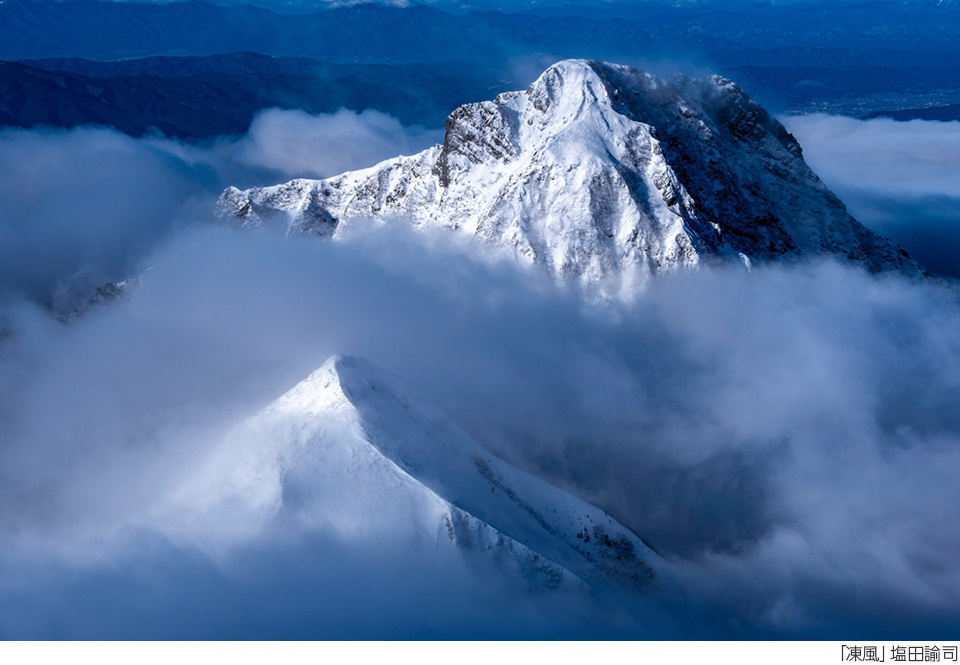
{"x": 569, "y": 92}
{"x": 566, "y": 114}
{"x": 351, "y": 449}
{"x": 319, "y": 391}
{"x": 600, "y": 174}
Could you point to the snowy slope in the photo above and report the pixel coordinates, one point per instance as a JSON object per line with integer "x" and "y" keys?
{"x": 349, "y": 449}
{"x": 602, "y": 175}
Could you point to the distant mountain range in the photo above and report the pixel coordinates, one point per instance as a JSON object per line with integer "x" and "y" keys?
{"x": 196, "y": 70}
{"x": 199, "y": 97}
{"x": 369, "y": 32}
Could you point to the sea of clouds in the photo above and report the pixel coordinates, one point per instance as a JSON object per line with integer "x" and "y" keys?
{"x": 787, "y": 438}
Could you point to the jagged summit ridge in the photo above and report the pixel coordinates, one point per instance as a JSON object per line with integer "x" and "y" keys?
{"x": 351, "y": 449}
{"x": 601, "y": 174}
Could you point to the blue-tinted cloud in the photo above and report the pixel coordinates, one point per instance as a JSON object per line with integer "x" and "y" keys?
{"x": 787, "y": 437}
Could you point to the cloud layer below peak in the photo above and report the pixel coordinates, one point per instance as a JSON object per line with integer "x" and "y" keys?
{"x": 788, "y": 437}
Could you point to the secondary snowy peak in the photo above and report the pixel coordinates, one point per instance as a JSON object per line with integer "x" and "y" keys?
{"x": 601, "y": 174}
{"x": 350, "y": 449}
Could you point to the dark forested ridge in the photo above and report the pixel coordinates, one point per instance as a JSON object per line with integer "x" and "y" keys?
{"x": 197, "y": 98}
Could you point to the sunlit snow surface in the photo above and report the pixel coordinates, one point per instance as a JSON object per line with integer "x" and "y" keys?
{"x": 350, "y": 449}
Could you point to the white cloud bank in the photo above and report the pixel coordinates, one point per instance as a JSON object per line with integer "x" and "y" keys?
{"x": 319, "y": 146}
{"x": 81, "y": 207}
